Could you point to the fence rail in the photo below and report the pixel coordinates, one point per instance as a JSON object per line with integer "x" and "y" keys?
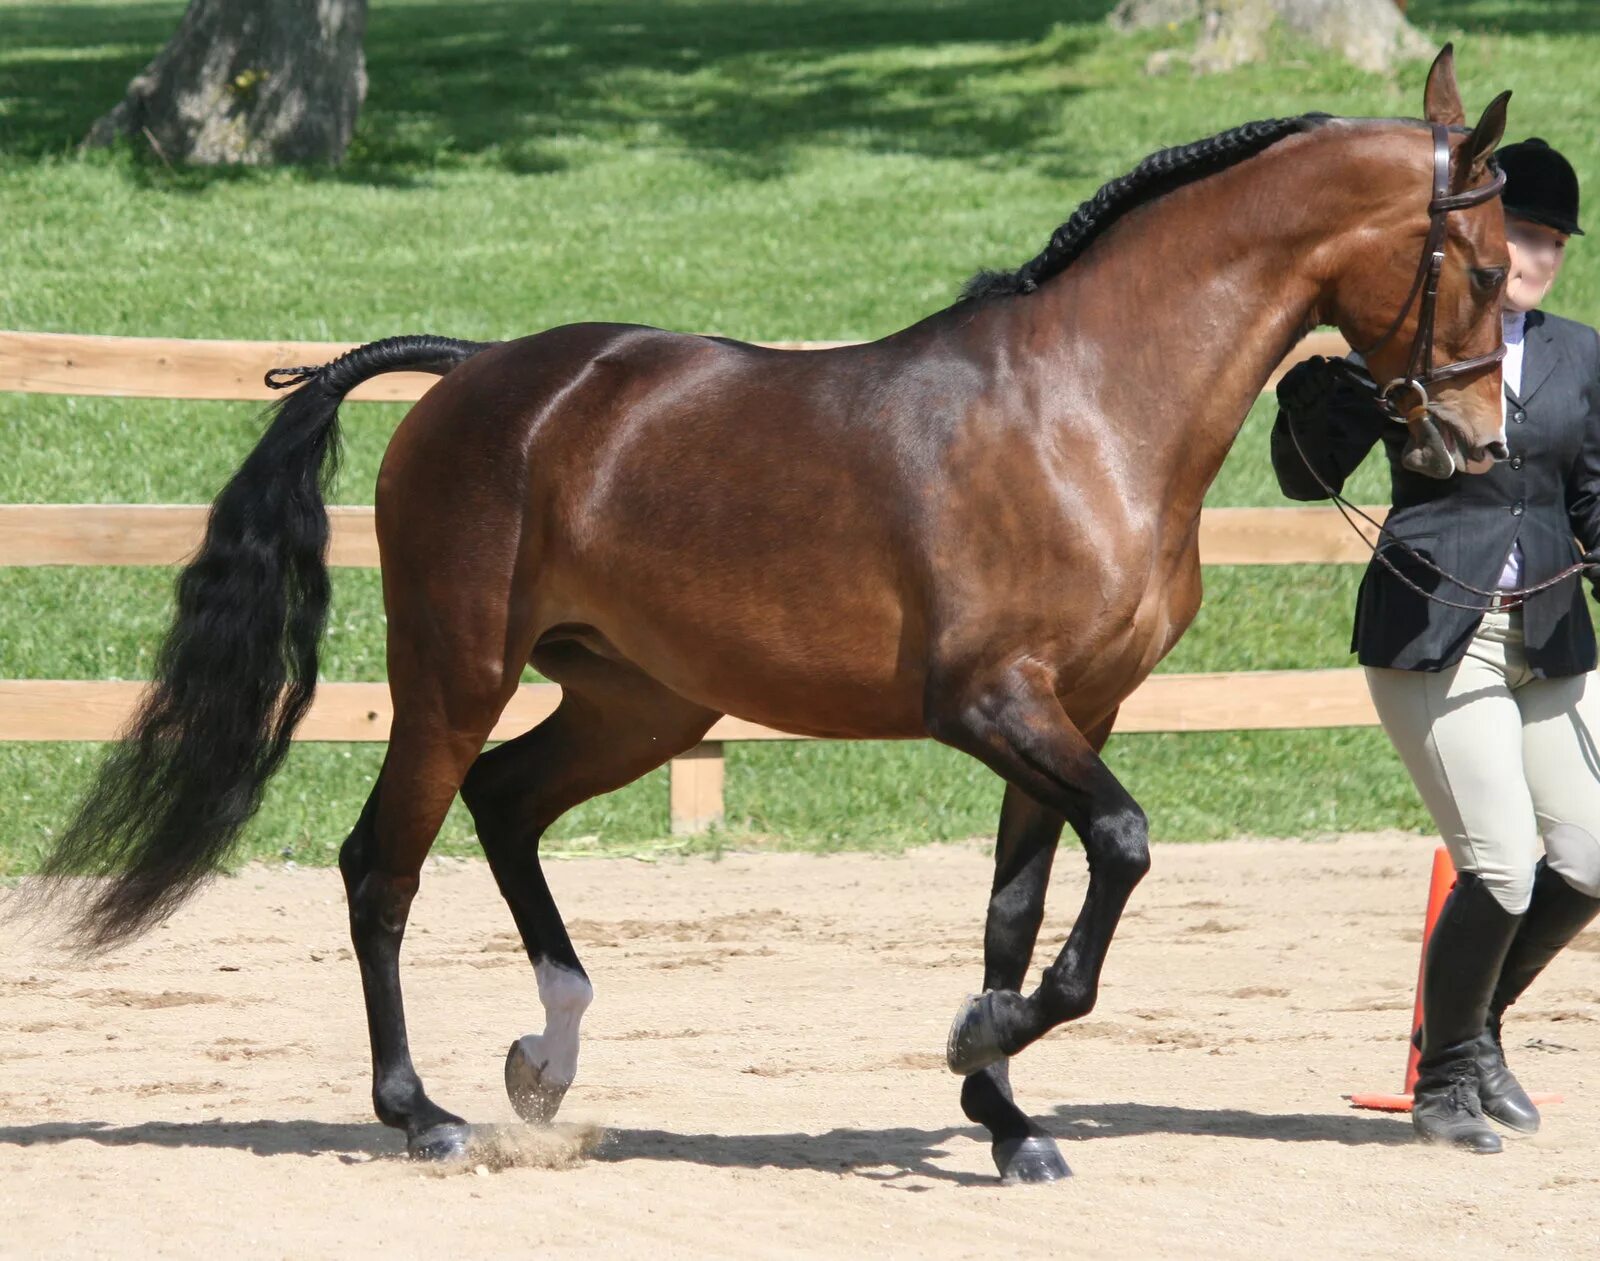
{"x": 165, "y": 534}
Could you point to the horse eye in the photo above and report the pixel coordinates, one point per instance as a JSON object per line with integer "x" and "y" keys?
{"x": 1488, "y": 279}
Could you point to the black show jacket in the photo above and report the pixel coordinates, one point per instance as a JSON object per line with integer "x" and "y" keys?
{"x": 1544, "y": 495}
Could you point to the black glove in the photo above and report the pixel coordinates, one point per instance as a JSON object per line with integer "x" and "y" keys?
{"x": 1308, "y": 386}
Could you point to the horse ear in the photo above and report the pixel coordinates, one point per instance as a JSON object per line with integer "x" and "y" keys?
{"x": 1441, "y": 99}
{"x": 1481, "y": 143}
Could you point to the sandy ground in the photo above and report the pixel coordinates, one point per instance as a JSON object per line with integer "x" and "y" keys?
{"x": 763, "y": 1075}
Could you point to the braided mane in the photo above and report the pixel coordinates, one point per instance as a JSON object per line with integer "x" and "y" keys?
{"x": 1158, "y": 174}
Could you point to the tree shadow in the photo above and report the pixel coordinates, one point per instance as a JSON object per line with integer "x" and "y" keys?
{"x": 1509, "y": 17}
{"x": 885, "y": 1155}
{"x": 62, "y": 66}
{"x": 740, "y": 85}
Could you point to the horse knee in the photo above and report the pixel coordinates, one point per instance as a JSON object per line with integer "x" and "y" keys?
{"x": 1119, "y": 845}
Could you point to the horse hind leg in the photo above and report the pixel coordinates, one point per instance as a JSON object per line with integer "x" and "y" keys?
{"x": 613, "y": 725}
{"x": 381, "y": 860}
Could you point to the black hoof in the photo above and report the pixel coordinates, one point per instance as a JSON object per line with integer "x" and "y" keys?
{"x": 535, "y": 1097}
{"x": 442, "y": 1144}
{"x": 1032, "y": 1159}
{"x": 974, "y": 1042}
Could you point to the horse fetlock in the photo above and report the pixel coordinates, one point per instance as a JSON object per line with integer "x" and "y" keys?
{"x": 398, "y": 1101}
{"x": 562, "y": 990}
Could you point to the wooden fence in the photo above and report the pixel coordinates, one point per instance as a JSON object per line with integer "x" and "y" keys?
{"x": 160, "y": 534}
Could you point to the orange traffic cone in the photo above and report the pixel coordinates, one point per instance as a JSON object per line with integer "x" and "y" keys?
{"x": 1439, "y": 886}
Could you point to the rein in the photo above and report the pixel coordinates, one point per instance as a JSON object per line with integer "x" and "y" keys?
{"x": 1514, "y": 598}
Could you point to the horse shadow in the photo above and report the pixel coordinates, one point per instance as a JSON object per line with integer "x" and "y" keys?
{"x": 886, "y": 1155}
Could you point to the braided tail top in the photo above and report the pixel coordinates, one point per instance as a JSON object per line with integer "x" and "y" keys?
{"x": 410, "y": 353}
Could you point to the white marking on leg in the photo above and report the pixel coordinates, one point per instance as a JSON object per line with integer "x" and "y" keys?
{"x": 566, "y": 995}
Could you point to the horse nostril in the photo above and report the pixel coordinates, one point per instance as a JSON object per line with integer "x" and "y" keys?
{"x": 1498, "y": 450}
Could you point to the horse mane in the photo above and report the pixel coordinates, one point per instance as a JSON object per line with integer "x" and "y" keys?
{"x": 1156, "y": 175}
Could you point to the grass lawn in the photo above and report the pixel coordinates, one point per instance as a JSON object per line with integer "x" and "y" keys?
{"x": 762, "y": 168}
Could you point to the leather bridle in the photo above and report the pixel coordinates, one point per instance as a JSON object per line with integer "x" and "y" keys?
{"x": 1420, "y": 372}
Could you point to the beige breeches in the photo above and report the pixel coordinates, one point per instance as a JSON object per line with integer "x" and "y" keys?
{"x": 1503, "y": 760}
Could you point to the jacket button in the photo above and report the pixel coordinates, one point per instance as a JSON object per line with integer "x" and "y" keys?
{"x": 1519, "y": 416}
{"x": 1516, "y": 508}
{"x": 1516, "y": 461}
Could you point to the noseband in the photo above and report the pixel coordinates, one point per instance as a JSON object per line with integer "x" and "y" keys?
{"x": 1420, "y": 372}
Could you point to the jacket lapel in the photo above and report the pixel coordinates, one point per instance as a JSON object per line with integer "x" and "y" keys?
{"x": 1538, "y": 355}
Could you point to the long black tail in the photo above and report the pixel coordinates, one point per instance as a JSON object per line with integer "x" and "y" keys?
{"x": 238, "y": 668}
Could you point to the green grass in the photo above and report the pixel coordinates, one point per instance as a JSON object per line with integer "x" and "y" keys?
{"x": 763, "y": 168}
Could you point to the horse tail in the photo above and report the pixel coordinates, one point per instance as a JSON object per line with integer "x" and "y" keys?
{"x": 237, "y": 670}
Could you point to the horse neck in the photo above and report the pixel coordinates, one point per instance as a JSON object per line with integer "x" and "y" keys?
{"x": 1168, "y": 329}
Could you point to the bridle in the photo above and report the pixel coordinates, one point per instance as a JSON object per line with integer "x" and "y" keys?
{"x": 1420, "y": 372}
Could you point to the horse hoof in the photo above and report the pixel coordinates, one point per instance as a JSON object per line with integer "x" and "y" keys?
{"x": 443, "y": 1144}
{"x": 1035, "y": 1158}
{"x": 536, "y": 1097}
{"x": 974, "y": 1039}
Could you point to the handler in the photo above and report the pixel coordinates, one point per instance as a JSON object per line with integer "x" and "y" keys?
{"x": 1495, "y": 714}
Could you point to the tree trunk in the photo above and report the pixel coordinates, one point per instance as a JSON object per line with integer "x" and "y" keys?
{"x": 1371, "y": 34}
{"x": 249, "y": 82}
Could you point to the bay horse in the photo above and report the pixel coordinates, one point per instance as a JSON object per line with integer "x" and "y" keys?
{"x": 980, "y": 529}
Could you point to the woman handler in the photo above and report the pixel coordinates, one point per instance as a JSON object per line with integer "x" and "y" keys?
{"x": 1495, "y": 713}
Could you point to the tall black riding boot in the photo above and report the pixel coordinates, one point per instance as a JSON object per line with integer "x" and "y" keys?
{"x": 1556, "y": 914}
{"x": 1465, "y": 957}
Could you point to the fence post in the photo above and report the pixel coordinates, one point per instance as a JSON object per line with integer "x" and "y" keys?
{"x": 696, "y": 788}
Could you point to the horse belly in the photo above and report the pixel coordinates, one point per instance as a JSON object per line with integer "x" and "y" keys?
{"x": 828, "y": 664}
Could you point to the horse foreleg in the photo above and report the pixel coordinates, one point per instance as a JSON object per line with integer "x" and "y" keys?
{"x": 1011, "y": 720}
{"x": 1024, "y": 851}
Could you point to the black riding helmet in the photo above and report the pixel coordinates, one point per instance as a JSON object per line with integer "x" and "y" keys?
{"x": 1540, "y": 185}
